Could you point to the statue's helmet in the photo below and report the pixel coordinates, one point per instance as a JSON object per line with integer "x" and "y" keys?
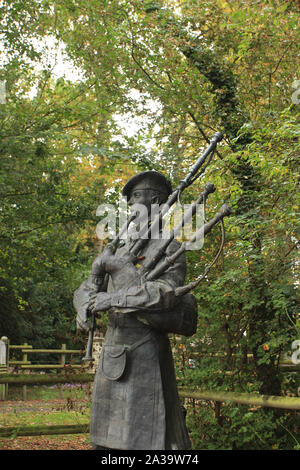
{"x": 150, "y": 179}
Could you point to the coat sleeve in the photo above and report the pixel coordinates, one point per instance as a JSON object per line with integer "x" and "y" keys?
{"x": 81, "y": 301}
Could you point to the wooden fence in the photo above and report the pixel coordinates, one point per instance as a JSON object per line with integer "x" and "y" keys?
{"x": 24, "y": 363}
{"x": 67, "y": 375}
{"x": 255, "y": 399}
{"x": 26, "y": 350}
{"x": 287, "y": 403}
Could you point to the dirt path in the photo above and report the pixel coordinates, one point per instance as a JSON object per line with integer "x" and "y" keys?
{"x": 63, "y": 442}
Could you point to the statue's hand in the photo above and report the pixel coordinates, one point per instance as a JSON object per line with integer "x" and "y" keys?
{"x": 100, "y": 302}
{"x": 123, "y": 271}
{"x": 113, "y": 264}
{"x": 98, "y": 266}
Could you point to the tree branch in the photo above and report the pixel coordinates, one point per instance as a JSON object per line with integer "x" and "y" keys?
{"x": 143, "y": 70}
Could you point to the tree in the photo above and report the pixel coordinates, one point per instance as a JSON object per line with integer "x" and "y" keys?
{"x": 195, "y": 68}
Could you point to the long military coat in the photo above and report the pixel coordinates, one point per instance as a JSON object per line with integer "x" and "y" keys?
{"x": 135, "y": 403}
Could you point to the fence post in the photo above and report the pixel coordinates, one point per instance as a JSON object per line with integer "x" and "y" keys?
{"x": 3, "y": 365}
{"x": 24, "y": 359}
{"x": 62, "y": 362}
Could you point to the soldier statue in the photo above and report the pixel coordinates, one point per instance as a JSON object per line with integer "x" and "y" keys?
{"x": 135, "y": 403}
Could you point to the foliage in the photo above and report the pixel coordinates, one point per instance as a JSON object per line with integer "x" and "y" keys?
{"x": 180, "y": 71}
{"x": 241, "y": 428}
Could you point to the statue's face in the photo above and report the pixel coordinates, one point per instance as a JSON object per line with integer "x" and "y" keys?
{"x": 142, "y": 195}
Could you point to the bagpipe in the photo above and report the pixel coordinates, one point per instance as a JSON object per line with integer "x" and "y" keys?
{"x": 183, "y": 318}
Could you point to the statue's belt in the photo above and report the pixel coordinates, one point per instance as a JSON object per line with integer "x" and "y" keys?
{"x": 121, "y": 320}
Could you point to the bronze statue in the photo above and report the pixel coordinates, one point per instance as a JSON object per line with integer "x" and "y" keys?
{"x": 135, "y": 404}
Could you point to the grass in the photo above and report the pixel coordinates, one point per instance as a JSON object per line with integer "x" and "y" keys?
{"x": 47, "y": 417}
{"x": 46, "y": 406}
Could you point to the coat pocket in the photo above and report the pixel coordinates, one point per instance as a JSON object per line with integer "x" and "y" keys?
{"x": 113, "y": 361}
